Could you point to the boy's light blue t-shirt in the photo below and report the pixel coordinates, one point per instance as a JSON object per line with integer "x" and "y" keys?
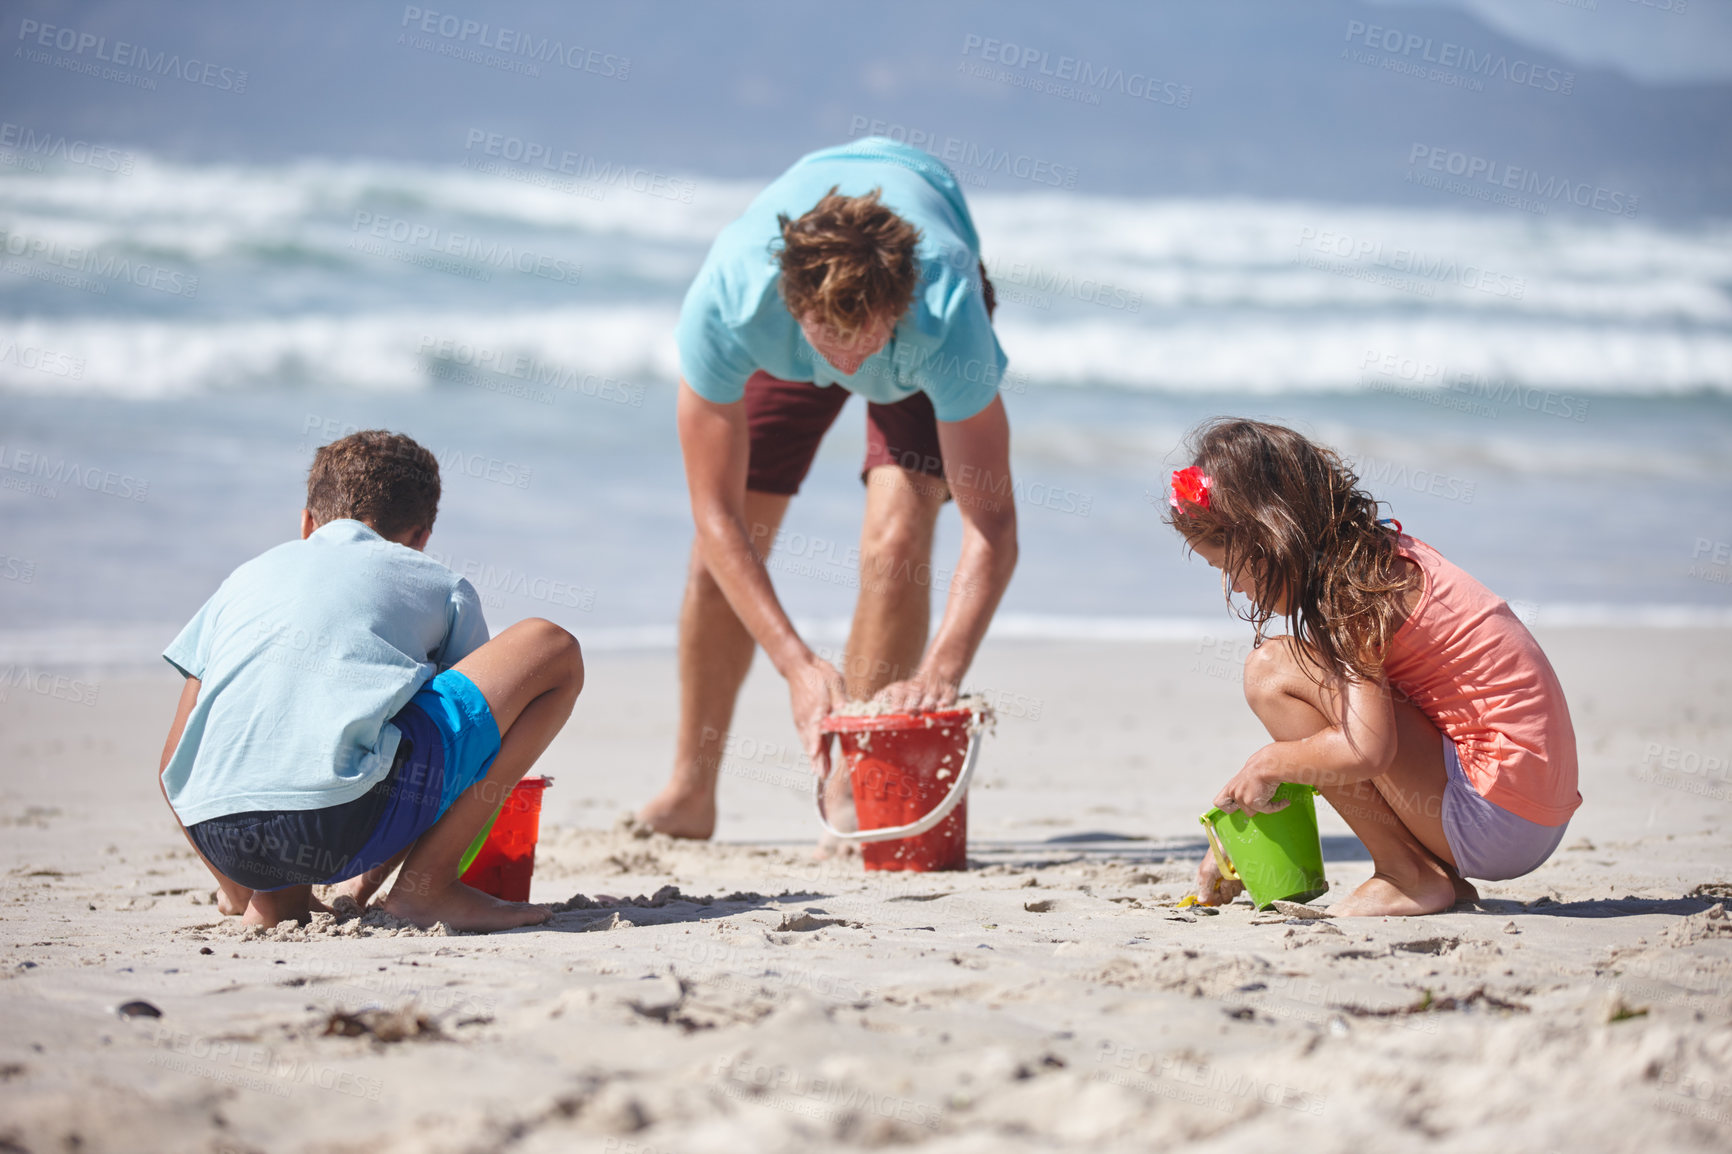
{"x": 734, "y": 321}
{"x": 303, "y": 656}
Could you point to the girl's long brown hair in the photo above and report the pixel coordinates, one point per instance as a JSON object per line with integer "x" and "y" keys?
{"x": 1290, "y": 516}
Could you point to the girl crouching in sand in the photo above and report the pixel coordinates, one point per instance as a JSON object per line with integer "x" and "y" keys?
{"x": 1404, "y": 690}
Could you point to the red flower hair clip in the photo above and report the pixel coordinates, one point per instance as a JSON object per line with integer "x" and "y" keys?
{"x": 1190, "y": 485}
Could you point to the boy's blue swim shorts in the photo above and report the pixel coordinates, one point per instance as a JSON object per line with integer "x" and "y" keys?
{"x": 449, "y": 741}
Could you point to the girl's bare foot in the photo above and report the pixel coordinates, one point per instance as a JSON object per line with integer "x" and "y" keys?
{"x": 1212, "y": 888}
{"x": 1427, "y": 892}
{"x": 1465, "y": 893}
{"x": 460, "y": 907}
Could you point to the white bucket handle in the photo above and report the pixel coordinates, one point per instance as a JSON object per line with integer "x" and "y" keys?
{"x": 958, "y": 790}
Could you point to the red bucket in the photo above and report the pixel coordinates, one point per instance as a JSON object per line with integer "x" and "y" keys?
{"x": 910, "y": 773}
{"x": 506, "y": 860}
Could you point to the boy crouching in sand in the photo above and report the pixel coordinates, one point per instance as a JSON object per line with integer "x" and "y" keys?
{"x": 1405, "y": 691}
{"x": 344, "y": 711}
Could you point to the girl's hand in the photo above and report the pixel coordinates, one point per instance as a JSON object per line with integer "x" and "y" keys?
{"x": 1252, "y": 787}
{"x": 1212, "y": 888}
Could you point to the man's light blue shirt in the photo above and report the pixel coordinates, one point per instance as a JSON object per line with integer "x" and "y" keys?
{"x": 303, "y": 656}
{"x": 734, "y": 321}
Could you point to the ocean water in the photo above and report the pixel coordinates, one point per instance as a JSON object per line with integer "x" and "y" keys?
{"x": 1546, "y": 399}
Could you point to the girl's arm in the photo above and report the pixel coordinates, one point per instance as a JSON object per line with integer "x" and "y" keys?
{"x": 1357, "y": 745}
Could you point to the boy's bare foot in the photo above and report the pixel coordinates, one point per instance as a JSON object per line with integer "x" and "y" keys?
{"x": 1427, "y": 892}
{"x": 232, "y": 904}
{"x": 295, "y": 902}
{"x": 681, "y": 814}
{"x": 359, "y": 890}
{"x": 461, "y": 907}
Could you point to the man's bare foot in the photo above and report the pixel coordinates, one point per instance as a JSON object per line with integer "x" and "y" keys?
{"x": 839, "y": 809}
{"x": 831, "y": 848}
{"x": 681, "y": 814}
{"x": 461, "y": 907}
{"x": 1428, "y": 892}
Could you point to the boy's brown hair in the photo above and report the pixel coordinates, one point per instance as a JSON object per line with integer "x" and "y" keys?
{"x": 1290, "y": 514}
{"x": 382, "y": 478}
{"x": 848, "y": 259}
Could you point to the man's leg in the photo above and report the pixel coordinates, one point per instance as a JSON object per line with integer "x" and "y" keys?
{"x": 715, "y": 653}
{"x": 905, "y": 488}
{"x": 1398, "y": 814}
{"x": 894, "y": 610}
{"x": 530, "y": 675}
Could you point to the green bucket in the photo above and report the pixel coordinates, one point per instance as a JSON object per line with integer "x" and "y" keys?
{"x": 474, "y": 849}
{"x": 1277, "y": 855}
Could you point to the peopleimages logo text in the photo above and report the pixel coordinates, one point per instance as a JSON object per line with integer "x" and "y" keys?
{"x": 53, "y": 146}
{"x": 1523, "y": 181}
{"x": 124, "y": 55}
{"x": 955, "y": 151}
{"x": 81, "y": 260}
{"x": 1317, "y": 245}
{"x": 516, "y": 42}
{"x": 466, "y": 247}
{"x": 1082, "y": 73}
{"x": 1411, "y": 46}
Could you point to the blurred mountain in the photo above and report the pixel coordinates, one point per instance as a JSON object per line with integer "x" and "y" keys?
{"x": 1262, "y": 98}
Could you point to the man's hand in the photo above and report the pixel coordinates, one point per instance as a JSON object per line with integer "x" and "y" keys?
{"x": 922, "y": 692}
{"x": 1253, "y": 786}
{"x": 815, "y": 691}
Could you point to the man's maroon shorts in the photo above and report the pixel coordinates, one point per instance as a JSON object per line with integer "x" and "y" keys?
{"x": 789, "y": 418}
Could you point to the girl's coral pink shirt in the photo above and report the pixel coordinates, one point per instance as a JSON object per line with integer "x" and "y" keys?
{"x": 1474, "y": 669}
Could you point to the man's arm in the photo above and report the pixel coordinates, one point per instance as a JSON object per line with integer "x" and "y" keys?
{"x": 977, "y": 466}
{"x": 716, "y": 445}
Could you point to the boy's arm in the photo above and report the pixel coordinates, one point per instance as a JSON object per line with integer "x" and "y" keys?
{"x": 466, "y": 626}
{"x": 188, "y": 699}
{"x": 234, "y": 896}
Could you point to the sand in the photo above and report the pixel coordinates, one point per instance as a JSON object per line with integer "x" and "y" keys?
{"x": 743, "y": 996}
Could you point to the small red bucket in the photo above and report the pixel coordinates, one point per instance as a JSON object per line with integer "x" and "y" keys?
{"x": 910, "y": 773}
{"x": 506, "y": 860}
